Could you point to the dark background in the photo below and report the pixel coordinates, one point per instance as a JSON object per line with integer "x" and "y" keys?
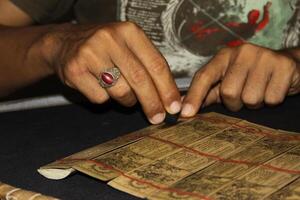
{"x": 32, "y": 138}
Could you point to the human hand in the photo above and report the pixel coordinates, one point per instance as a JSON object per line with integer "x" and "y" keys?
{"x": 247, "y": 75}
{"x": 80, "y": 53}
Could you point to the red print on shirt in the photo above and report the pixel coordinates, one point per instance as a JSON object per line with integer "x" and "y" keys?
{"x": 252, "y": 26}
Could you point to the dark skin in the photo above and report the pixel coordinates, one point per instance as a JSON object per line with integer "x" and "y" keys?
{"x": 247, "y": 75}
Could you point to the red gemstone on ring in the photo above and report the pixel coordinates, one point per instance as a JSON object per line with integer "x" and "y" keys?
{"x": 107, "y": 78}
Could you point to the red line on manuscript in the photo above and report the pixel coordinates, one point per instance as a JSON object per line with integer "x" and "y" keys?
{"x": 218, "y": 158}
{"x": 109, "y": 167}
{"x": 178, "y": 191}
{"x": 215, "y": 157}
{"x": 251, "y": 130}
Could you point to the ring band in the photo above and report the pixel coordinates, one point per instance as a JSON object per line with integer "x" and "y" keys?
{"x": 109, "y": 77}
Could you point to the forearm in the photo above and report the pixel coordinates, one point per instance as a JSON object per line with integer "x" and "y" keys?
{"x": 21, "y": 63}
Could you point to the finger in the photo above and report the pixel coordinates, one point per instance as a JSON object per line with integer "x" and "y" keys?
{"x": 253, "y": 93}
{"x": 203, "y": 81}
{"x": 87, "y": 84}
{"x": 279, "y": 83}
{"x": 121, "y": 91}
{"x": 212, "y": 97}
{"x": 157, "y": 67}
{"x": 236, "y": 76}
{"x": 139, "y": 80}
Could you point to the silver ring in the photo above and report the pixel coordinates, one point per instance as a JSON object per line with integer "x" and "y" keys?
{"x": 109, "y": 77}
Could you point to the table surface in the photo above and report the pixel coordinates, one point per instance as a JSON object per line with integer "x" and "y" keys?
{"x": 32, "y": 138}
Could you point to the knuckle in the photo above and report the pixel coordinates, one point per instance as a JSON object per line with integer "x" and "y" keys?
{"x": 267, "y": 55}
{"x": 287, "y": 63}
{"x": 158, "y": 65}
{"x": 99, "y": 98}
{"x": 247, "y": 47}
{"x": 272, "y": 99}
{"x": 203, "y": 76}
{"x": 239, "y": 65}
{"x": 228, "y": 92}
{"x": 105, "y": 34}
{"x": 138, "y": 76}
{"x": 131, "y": 26}
{"x": 73, "y": 69}
{"x": 85, "y": 51}
{"x": 250, "y": 99}
{"x": 224, "y": 50}
{"x": 121, "y": 91}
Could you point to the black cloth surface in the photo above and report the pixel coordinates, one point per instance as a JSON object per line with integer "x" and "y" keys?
{"x": 30, "y": 139}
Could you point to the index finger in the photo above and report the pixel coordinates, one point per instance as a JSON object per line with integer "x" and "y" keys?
{"x": 157, "y": 67}
{"x": 203, "y": 81}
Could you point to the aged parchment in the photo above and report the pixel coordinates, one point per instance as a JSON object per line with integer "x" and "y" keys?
{"x": 211, "y": 156}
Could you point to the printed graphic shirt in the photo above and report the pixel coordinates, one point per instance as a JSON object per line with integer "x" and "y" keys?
{"x": 187, "y": 32}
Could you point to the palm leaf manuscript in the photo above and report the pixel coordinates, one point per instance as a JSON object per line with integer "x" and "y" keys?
{"x": 211, "y": 156}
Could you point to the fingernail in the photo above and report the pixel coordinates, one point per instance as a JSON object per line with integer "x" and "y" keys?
{"x": 158, "y": 118}
{"x": 175, "y": 107}
{"x": 187, "y": 110}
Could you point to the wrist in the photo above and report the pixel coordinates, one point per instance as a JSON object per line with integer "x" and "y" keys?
{"x": 39, "y": 51}
{"x": 49, "y": 46}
